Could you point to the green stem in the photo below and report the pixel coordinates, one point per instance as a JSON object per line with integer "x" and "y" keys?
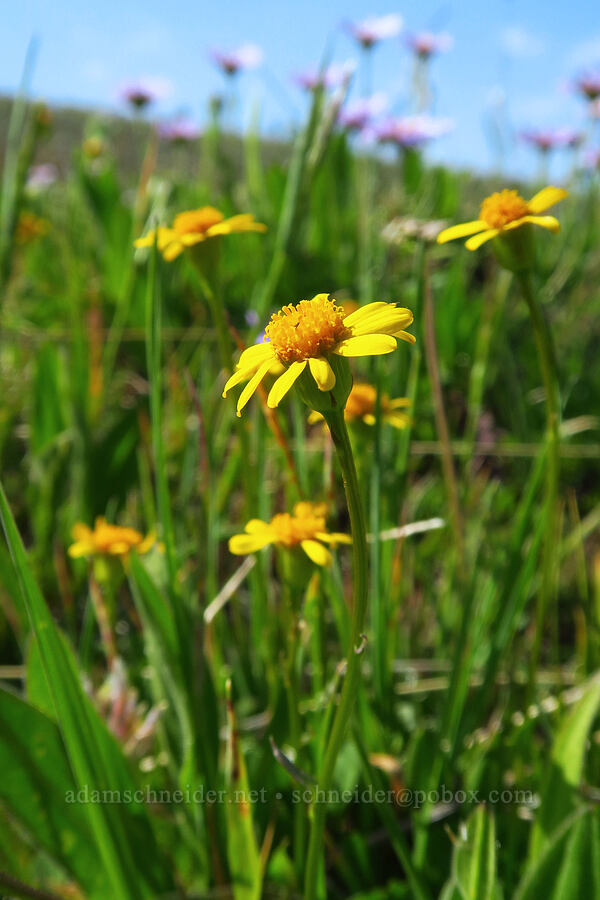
{"x": 220, "y": 321}
{"x": 339, "y": 434}
{"x": 548, "y": 368}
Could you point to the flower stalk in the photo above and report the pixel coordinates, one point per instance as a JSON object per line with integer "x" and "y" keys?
{"x": 341, "y": 440}
{"x": 548, "y": 368}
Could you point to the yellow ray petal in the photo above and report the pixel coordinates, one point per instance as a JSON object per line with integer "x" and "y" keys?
{"x": 369, "y": 419}
{"x": 397, "y": 419}
{"x": 240, "y": 544}
{"x": 256, "y": 526}
{"x": 479, "y": 239}
{"x": 399, "y": 403}
{"x": 239, "y": 223}
{"x": 384, "y": 322}
{"x": 366, "y": 345}
{"x": 548, "y": 222}
{"x": 238, "y": 377}
{"x": 81, "y": 548}
{"x": 252, "y": 385}
{"x": 147, "y": 543}
{"x": 81, "y": 532}
{"x": 255, "y": 354}
{"x": 405, "y": 336}
{"x": 458, "y": 231}
{"x": 284, "y": 383}
{"x": 364, "y": 312}
{"x": 192, "y": 238}
{"x": 173, "y": 250}
{"x": 118, "y": 548}
{"x": 546, "y": 198}
{"x": 334, "y": 537}
{"x": 317, "y": 552}
{"x": 323, "y": 374}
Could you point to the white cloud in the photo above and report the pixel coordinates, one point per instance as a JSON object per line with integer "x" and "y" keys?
{"x": 520, "y": 43}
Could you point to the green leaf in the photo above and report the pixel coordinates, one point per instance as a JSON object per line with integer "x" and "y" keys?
{"x": 36, "y": 780}
{"x": 568, "y": 866}
{"x": 242, "y": 849}
{"x": 559, "y": 793}
{"x": 122, "y": 833}
{"x": 474, "y": 858}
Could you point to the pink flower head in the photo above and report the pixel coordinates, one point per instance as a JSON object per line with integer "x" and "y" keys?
{"x": 359, "y": 114}
{"x": 549, "y": 139}
{"x": 589, "y": 86}
{"x": 412, "y": 131}
{"x": 41, "y": 176}
{"x": 144, "y": 91}
{"x": 332, "y": 77}
{"x": 179, "y": 131}
{"x": 248, "y": 56}
{"x": 426, "y": 44}
{"x": 375, "y": 29}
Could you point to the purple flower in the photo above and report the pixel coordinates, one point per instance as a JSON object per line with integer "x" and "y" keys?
{"x": 332, "y": 77}
{"x": 179, "y": 131}
{"x": 141, "y": 93}
{"x": 425, "y": 44}
{"x": 375, "y": 29}
{"x": 248, "y": 56}
{"x": 359, "y": 114}
{"x": 589, "y": 85}
{"x": 41, "y": 176}
{"x": 549, "y": 139}
{"x": 411, "y": 131}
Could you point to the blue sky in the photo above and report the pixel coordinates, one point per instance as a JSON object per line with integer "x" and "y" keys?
{"x": 517, "y": 56}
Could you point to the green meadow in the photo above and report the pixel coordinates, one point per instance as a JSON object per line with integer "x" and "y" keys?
{"x": 407, "y": 711}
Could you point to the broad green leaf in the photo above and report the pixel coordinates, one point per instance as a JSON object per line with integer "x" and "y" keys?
{"x": 559, "y": 793}
{"x": 122, "y": 832}
{"x": 36, "y": 779}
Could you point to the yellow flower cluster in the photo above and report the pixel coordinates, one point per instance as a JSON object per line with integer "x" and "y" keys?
{"x": 304, "y": 528}
{"x": 194, "y": 226}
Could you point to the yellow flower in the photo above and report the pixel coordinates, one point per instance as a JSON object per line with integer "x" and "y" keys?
{"x": 308, "y": 335}
{"x": 108, "y": 540}
{"x": 361, "y": 404}
{"x": 503, "y": 212}
{"x": 196, "y": 225}
{"x": 30, "y": 227}
{"x": 304, "y": 528}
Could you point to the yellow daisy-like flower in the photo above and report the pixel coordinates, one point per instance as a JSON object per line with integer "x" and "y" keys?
{"x": 306, "y": 335}
{"x": 194, "y": 226}
{"x": 304, "y": 528}
{"x": 503, "y": 212}
{"x": 361, "y": 406}
{"x": 108, "y": 540}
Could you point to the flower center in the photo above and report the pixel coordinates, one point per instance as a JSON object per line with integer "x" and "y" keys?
{"x": 106, "y": 536}
{"x": 307, "y": 521}
{"x": 501, "y": 208}
{"x": 309, "y": 329}
{"x": 197, "y": 221}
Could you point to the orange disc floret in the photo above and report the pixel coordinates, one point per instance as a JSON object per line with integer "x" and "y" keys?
{"x": 307, "y": 330}
{"x": 197, "y": 221}
{"x": 501, "y": 208}
{"x": 306, "y": 523}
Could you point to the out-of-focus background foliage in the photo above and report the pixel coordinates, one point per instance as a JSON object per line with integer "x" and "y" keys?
{"x": 183, "y": 668}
